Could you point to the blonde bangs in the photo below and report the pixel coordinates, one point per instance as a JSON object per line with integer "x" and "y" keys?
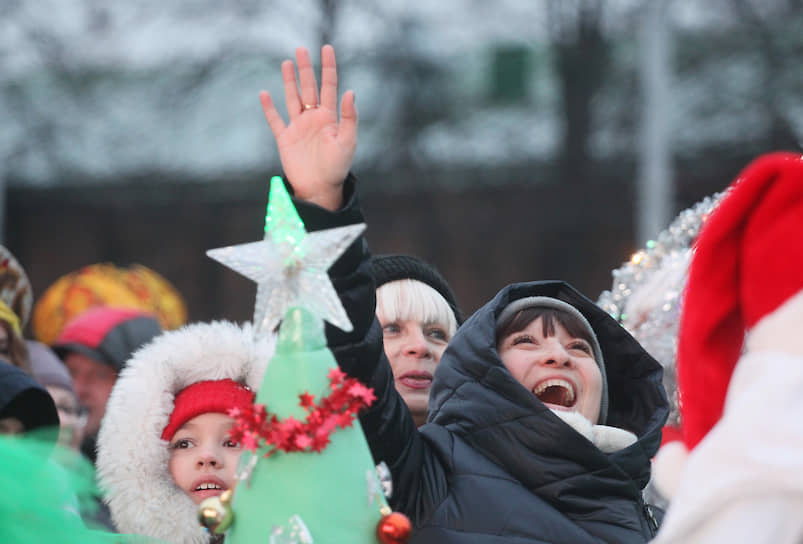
{"x": 404, "y": 300}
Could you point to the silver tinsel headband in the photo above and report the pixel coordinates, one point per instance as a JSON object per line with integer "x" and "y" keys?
{"x": 647, "y": 290}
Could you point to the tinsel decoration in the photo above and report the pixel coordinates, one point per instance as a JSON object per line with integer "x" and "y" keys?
{"x": 255, "y": 428}
{"x": 647, "y": 290}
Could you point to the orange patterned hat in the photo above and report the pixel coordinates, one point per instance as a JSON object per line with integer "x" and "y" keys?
{"x": 103, "y": 284}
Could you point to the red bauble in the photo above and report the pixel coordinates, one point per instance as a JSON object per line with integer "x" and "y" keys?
{"x": 394, "y": 528}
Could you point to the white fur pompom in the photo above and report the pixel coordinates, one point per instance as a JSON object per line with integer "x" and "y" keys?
{"x": 667, "y": 466}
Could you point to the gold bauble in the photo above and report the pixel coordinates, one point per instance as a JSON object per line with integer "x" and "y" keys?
{"x": 215, "y": 513}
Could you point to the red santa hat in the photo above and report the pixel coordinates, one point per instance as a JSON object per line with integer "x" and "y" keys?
{"x": 748, "y": 261}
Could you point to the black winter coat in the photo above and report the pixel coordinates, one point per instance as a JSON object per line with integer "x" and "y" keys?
{"x": 493, "y": 464}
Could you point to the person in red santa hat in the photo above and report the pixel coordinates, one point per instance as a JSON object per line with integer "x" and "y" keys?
{"x": 740, "y": 368}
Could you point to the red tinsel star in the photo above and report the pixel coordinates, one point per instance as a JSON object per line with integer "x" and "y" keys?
{"x": 366, "y": 394}
{"x": 336, "y": 376}
{"x": 307, "y": 400}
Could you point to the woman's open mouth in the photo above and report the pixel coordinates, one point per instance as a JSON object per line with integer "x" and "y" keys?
{"x": 416, "y": 379}
{"x": 556, "y": 392}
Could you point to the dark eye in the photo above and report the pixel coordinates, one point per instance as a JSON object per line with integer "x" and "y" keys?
{"x": 581, "y": 346}
{"x": 523, "y": 339}
{"x": 181, "y": 444}
{"x": 231, "y": 444}
{"x": 437, "y": 333}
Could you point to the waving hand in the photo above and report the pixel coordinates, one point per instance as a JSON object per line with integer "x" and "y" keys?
{"x": 316, "y": 150}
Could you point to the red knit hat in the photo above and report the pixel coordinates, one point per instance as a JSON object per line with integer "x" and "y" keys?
{"x": 748, "y": 260}
{"x": 211, "y": 396}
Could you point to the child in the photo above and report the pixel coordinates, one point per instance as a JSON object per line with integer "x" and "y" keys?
{"x": 163, "y": 446}
{"x": 495, "y": 463}
{"x": 203, "y": 458}
{"x": 418, "y": 314}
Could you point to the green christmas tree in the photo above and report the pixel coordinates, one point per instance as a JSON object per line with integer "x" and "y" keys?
{"x": 307, "y": 475}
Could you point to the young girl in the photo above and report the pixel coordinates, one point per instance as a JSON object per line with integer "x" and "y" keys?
{"x": 418, "y": 314}
{"x": 163, "y": 446}
{"x": 495, "y": 463}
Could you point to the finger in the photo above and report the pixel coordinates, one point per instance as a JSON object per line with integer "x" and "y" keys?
{"x": 328, "y": 78}
{"x": 306, "y": 75}
{"x": 347, "y": 131}
{"x": 291, "y": 97}
{"x": 275, "y": 120}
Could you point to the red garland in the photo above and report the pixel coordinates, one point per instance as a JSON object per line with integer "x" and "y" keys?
{"x": 338, "y": 409}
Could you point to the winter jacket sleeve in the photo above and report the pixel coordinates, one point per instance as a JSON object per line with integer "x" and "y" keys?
{"x": 387, "y": 424}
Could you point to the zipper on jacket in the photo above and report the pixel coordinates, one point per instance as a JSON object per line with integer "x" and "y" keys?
{"x": 652, "y": 523}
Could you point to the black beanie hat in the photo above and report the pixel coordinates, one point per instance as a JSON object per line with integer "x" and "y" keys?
{"x": 388, "y": 268}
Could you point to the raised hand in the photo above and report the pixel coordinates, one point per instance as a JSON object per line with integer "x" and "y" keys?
{"x": 315, "y": 149}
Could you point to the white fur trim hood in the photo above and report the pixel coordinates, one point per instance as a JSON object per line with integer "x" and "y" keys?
{"x": 132, "y": 463}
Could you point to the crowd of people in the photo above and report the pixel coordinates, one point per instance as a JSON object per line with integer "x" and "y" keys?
{"x": 536, "y": 419}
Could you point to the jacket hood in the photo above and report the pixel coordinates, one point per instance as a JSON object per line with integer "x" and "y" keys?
{"x": 476, "y": 397}
{"x": 132, "y": 461}
{"x": 23, "y": 398}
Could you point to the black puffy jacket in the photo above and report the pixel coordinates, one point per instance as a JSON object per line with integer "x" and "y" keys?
{"x": 493, "y": 464}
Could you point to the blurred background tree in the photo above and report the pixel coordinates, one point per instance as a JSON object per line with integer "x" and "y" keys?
{"x": 503, "y": 141}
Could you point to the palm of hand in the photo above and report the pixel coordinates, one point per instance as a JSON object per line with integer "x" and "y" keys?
{"x": 313, "y": 152}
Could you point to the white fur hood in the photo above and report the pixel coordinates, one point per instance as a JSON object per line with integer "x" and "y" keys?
{"x": 132, "y": 458}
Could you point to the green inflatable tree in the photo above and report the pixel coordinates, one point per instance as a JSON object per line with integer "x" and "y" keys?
{"x": 307, "y": 475}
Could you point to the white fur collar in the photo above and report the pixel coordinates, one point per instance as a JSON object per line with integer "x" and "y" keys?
{"x": 132, "y": 458}
{"x": 608, "y": 439}
{"x": 780, "y": 329}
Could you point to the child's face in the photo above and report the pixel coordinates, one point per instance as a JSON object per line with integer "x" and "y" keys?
{"x": 203, "y": 458}
{"x": 560, "y": 370}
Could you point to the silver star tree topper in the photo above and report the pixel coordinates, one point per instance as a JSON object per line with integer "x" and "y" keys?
{"x": 289, "y": 265}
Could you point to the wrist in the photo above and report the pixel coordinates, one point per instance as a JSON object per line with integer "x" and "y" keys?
{"x": 329, "y": 197}
{"x": 331, "y": 200}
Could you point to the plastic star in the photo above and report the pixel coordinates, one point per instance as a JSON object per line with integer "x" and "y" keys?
{"x": 289, "y": 265}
